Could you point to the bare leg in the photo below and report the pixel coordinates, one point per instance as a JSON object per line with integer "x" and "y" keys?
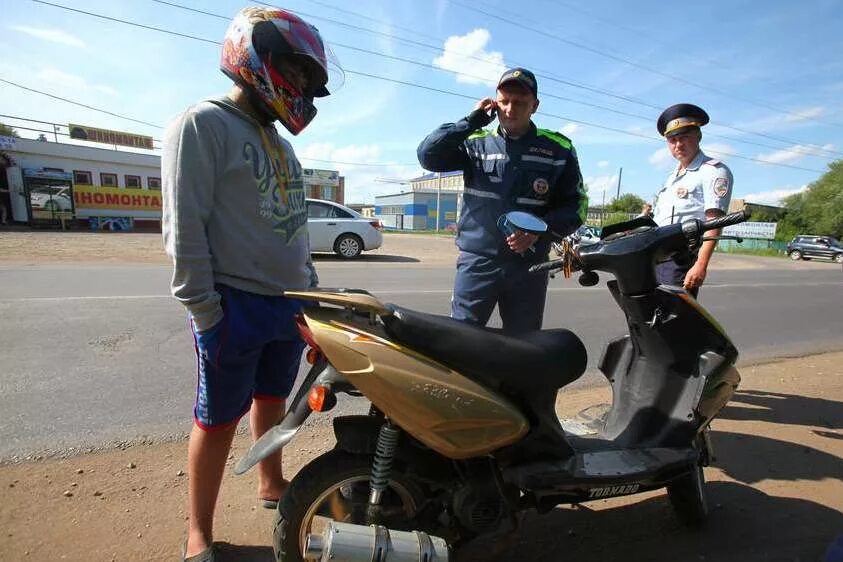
{"x": 206, "y": 457}
{"x": 263, "y": 415}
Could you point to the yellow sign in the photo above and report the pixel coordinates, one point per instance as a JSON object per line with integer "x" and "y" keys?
{"x": 83, "y": 132}
{"x": 114, "y": 198}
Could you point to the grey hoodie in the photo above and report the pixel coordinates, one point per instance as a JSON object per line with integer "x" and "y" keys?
{"x": 226, "y": 217}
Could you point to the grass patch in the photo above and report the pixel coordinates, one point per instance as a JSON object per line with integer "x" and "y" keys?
{"x": 767, "y": 252}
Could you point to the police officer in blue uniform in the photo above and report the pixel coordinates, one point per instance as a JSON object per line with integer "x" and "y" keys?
{"x": 514, "y": 166}
{"x": 699, "y": 188}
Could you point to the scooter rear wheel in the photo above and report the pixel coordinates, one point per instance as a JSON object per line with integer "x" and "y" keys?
{"x": 335, "y": 486}
{"x": 687, "y": 495}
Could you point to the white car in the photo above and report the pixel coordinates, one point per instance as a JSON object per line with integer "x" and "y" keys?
{"x": 51, "y": 198}
{"x": 336, "y": 228}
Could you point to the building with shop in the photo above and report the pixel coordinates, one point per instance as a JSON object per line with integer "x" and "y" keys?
{"x": 81, "y": 186}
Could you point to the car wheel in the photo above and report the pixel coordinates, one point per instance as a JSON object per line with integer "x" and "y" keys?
{"x": 795, "y": 255}
{"x": 838, "y": 258}
{"x": 348, "y": 246}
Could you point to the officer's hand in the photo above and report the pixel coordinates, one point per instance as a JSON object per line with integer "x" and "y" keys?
{"x": 486, "y": 104}
{"x": 520, "y": 241}
{"x": 695, "y": 276}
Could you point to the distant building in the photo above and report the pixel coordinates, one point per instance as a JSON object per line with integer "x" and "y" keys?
{"x": 416, "y": 209}
{"x": 367, "y": 211}
{"x": 61, "y": 184}
{"x": 769, "y": 212}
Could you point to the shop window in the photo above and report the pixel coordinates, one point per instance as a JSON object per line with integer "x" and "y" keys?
{"x": 153, "y": 183}
{"x": 108, "y": 180}
{"x": 133, "y": 182}
{"x": 81, "y": 177}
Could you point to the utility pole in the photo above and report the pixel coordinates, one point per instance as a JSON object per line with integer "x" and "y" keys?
{"x": 620, "y": 175}
{"x": 603, "y": 209}
{"x": 438, "y": 197}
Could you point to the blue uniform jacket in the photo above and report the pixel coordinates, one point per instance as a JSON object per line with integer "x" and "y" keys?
{"x": 537, "y": 173}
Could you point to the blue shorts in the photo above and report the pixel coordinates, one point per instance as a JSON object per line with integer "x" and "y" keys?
{"x": 252, "y": 353}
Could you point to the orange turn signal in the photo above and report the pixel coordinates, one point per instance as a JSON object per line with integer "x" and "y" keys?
{"x": 319, "y": 398}
{"x": 312, "y": 355}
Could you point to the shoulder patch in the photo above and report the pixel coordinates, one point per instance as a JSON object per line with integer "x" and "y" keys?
{"x": 556, "y": 137}
{"x": 721, "y": 187}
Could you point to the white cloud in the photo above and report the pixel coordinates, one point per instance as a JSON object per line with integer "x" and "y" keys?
{"x": 773, "y": 197}
{"x": 719, "y": 149}
{"x": 51, "y": 35}
{"x": 461, "y": 54}
{"x": 794, "y": 153}
{"x": 71, "y": 82}
{"x": 807, "y": 113}
{"x": 570, "y": 129}
{"x": 662, "y": 159}
{"x": 598, "y": 186}
{"x": 602, "y": 163}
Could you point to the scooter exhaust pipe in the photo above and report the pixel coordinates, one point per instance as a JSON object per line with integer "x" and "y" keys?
{"x": 345, "y": 542}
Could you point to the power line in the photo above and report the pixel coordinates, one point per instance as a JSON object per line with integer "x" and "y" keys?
{"x": 411, "y": 84}
{"x": 369, "y": 164}
{"x": 617, "y": 58}
{"x": 815, "y": 152}
{"x": 15, "y": 84}
{"x": 818, "y": 149}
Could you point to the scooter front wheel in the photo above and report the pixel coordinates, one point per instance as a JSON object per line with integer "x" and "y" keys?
{"x": 687, "y": 495}
{"x": 335, "y": 486}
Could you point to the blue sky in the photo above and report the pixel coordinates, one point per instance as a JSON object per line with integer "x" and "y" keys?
{"x": 772, "y": 68}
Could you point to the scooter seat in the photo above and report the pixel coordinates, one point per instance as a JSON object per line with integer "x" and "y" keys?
{"x": 544, "y": 360}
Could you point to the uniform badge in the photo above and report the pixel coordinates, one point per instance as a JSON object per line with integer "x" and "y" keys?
{"x": 682, "y": 192}
{"x": 540, "y": 186}
{"x": 721, "y": 187}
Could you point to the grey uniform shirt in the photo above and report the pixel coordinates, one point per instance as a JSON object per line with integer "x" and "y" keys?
{"x": 705, "y": 184}
{"x": 227, "y": 215}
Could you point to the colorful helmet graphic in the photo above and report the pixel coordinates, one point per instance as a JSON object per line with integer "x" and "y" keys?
{"x": 282, "y": 61}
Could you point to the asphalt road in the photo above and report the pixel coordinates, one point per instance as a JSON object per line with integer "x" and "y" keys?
{"x": 93, "y": 356}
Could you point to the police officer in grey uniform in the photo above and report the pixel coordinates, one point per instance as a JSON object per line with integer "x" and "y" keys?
{"x": 514, "y": 166}
{"x": 699, "y": 188}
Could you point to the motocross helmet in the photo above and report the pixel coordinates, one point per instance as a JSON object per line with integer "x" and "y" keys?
{"x": 264, "y": 50}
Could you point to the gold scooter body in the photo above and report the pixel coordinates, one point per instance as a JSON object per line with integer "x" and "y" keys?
{"x": 450, "y": 413}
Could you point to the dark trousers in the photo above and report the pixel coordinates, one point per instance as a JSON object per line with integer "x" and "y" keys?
{"x": 482, "y": 282}
{"x": 671, "y": 273}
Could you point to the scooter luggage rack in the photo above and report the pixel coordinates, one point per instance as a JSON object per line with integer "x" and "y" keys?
{"x": 354, "y": 299}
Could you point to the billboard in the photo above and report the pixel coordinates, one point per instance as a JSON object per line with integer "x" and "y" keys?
{"x": 93, "y": 134}
{"x": 7, "y": 143}
{"x": 756, "y": 230}
{"x": 113, "y": 201}
{"x": 321, "y": 177}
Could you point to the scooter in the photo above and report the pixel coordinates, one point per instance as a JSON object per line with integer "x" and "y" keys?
{"x": 462, "y": 435}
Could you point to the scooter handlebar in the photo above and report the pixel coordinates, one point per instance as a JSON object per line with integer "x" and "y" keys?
{"x": 552, "y": 264}
{"x": 728, "y": 220}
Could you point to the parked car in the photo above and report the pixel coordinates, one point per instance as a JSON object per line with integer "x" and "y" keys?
{"x": 807, "y": 246}
{"x": 336, "y": 228}
{"x": 588, "y": 235}
{"x": 51, "y": 198}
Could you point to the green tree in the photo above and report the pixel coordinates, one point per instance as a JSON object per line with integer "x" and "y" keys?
{"x": 615, "y": 218}
{"x": 818, "y": 209}
{"x": 626, "y": 203}
{"x": 7, "y": 131}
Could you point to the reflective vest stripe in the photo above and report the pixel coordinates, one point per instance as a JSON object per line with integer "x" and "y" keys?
{"x": 528, "y": 201}
{"x": 481, "y": 193}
